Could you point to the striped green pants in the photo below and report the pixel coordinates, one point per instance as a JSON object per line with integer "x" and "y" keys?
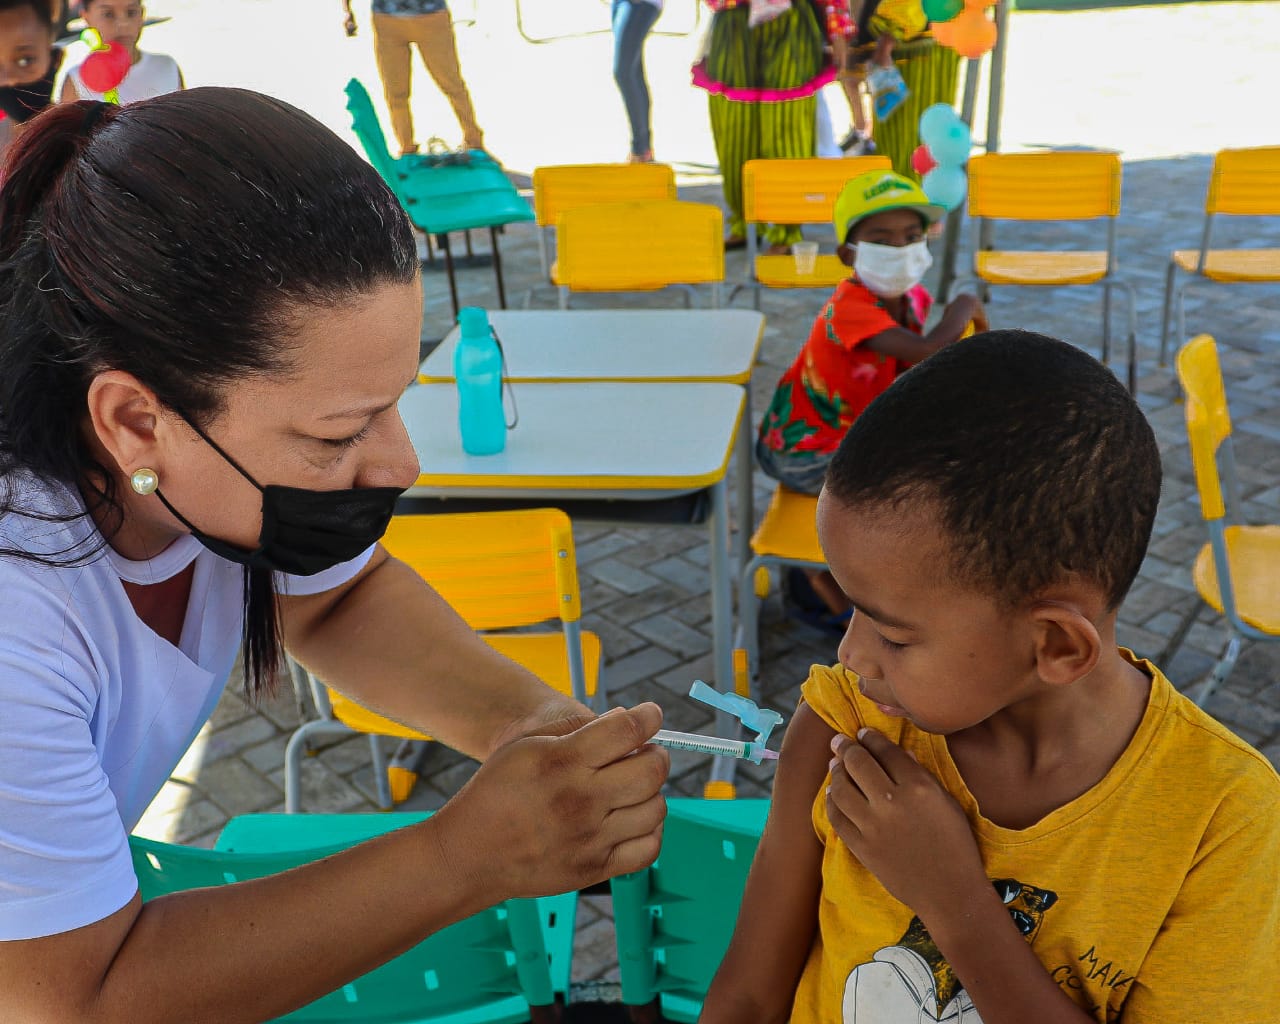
{"x": 757, "y": 131}
{"x": 786, "y": 53}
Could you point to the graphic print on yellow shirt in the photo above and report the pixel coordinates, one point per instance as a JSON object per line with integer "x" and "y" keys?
{"x": 1131, "y": 896}
{"x": 912, "y": 981}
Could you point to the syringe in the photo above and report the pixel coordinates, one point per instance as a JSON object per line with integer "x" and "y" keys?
{"x": 713, "y": 745}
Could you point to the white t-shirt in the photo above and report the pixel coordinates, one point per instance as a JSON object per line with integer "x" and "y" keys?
{"x": 153, "y": 75}
{"x": 96, "y": 710}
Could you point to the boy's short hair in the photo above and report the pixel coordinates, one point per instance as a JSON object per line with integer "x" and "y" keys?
{"x": 1040, "y": 463}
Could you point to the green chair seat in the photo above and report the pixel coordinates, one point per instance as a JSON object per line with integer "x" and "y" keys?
{"x": 487, "y": 969}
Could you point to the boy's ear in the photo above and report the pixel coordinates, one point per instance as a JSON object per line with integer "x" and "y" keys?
{"x": 845, "y": 252}
{"x": 1067, "y": 644}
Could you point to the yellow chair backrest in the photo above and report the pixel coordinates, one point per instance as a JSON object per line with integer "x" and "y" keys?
{"x": 1044, "y": 186}
{"x": 562, "y": 187}
{"x": 1208, "y": 421}
{"x": 496, "y": 569}
{"x": 800, "y": 191}
{"x": 626, "y": 246}
{"x": 1245, "y": 182}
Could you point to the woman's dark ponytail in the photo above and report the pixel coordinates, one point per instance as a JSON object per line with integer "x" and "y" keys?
{"x": 37, "y": 159}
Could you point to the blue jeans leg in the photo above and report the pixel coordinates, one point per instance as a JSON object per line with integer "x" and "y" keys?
{"x": 632, "y": 20}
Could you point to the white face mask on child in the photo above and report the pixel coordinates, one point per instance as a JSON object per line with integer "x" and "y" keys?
{"x": 890, "y": 270}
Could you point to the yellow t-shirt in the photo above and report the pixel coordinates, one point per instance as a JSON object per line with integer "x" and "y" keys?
{"x": 1154, "y": 898}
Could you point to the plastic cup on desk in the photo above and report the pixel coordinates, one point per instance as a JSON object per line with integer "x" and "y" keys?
{"x": 806, "y": 256}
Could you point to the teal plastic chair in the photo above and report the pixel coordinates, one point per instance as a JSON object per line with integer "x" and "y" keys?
{"x": 674, "y": 920}
{"x": 441, "y": 198}
{"x": 495, "y": 967}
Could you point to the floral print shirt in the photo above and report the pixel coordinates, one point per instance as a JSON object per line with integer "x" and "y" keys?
{"x": 836, "y": 376}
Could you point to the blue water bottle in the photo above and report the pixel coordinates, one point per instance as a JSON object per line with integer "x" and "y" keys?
{"x": 477, "y": 368}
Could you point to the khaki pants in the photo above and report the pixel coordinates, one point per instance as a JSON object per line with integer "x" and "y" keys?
{"x": 393, "y": 39}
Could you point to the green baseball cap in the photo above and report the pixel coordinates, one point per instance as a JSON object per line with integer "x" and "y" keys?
{"x": 875, "y": 192}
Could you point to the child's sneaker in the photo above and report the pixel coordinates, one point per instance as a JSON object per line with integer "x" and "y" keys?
{"x": 888, "y": 90}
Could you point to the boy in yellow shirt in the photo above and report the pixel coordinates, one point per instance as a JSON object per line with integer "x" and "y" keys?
{"x": 1022, "y": 822}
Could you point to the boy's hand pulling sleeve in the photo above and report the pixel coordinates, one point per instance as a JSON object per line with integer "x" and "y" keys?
{"x": 902, "y": 825}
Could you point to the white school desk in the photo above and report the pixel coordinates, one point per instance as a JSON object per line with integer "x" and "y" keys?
{"x": 596, "y": 449}
{"x": 633, "y": 345}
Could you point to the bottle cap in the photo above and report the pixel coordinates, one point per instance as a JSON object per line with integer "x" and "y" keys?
{"x": 473, "y": 319}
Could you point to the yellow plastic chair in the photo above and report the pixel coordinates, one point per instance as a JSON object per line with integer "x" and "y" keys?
{"x": 1244, "y": 182}
{"x": 796, "y": 192}
{"x": 787, "y": 535}
{"x": 565, "y": 186}
{"x": 499, "y": 571}
{"x": 1238, "y": 572}
{"x": 1050, "y": 186}
{"x": 637, "y": 247}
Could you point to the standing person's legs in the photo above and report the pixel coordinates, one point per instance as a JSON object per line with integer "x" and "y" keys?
{"x": 735, "y": 127}
{"x": 391, "y": 49}
{"x": 434, "y": 35}
{"x": 788, "y": 130}
{"x": 632, "y": 20}
{"x": 790, "y": 54}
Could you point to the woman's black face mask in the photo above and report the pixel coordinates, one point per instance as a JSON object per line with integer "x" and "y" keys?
{"x": 303, "y": 532}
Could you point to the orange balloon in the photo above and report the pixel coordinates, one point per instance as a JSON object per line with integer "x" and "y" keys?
{"x": 973, "y": 33}
{"x": 943, "y": 31}
{"x": 978, "y": 5}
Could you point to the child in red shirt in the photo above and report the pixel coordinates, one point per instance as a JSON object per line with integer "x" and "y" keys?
{"x": 870, "y": 330}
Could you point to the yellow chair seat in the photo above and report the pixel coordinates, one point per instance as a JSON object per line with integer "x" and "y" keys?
{"x": 543, "y": 654}
{"x": 1232, "y": 264}
{"x": 780, "y": 272}
{"x": 1041, "y": 268}
{"x": 789, "y": 529}
{"x": 1254, "y": 554}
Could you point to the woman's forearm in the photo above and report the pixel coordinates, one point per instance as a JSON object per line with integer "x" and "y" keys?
{"x": 543, "y": 815}
{"x": 394, "y": 645}
{"x": 245, "y": 952}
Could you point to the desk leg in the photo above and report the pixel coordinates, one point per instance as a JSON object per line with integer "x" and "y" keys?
{"x": 721, "y": 617}
{"x": 721, "y": 588}
{"x": 746, "y": 493}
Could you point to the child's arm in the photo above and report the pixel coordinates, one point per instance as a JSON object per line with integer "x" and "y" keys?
{"x": 902, "y": 344}
{"x": 757, "y": 979}
{"x": 69, "y": 93}
{"x": 912, "y": 835}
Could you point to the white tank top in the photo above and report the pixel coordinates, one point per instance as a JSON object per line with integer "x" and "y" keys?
{"x": 154, "y": 74}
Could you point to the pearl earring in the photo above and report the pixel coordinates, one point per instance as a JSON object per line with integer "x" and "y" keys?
{"x": 144, "y": 481}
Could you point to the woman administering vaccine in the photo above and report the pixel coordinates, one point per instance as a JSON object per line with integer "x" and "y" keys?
{"x": 208, "y": 309}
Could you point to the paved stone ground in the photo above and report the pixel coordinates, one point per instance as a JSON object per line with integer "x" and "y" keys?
{"x": 645, "y": 589}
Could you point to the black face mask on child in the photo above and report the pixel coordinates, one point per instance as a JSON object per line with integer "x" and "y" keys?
{"x": 303, "y": 532}
{"x": 23, "y": 102}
